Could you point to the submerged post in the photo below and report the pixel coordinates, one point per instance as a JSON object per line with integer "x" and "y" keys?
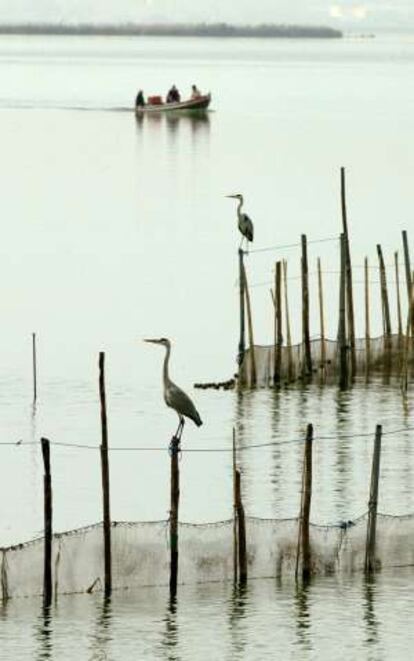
{"x": 175, "y": 498}
{"x": 307, "y": 497}
{"x": 105, "y": 480}
{"x": 235, "y": 544}
{"x": 242, "y": 341}
{"x": 343, "y": 353}
{"x": 370, "y": 563}
{"x": 348, "y": 268}
{"x": 305, "y": 310}
{"x": 241, "y": 521}
{"x": 48, "y": 531}
{"x": 34, "y": 361}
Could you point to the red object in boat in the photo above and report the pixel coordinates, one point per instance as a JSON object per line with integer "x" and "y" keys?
{"x": 155, "y": 100}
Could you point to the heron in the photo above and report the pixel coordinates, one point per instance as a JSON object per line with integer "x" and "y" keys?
{"x": 245, "y": 223}
{"x": 174, "y": 397}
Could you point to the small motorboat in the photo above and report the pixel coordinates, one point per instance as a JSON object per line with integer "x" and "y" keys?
{"x": 200, "y": 103}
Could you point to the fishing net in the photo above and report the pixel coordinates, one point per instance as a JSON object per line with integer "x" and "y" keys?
{"x": 386, "y": 355}
{"x": 140, "y": 553}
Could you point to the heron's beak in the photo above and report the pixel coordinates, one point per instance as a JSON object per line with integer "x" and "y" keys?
{"x": 233, "y": 196}
{"x": 152, "y": 341}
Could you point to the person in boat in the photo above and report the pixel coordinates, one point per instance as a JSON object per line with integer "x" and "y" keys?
{"x": 140, "y": 101}
{"x": 173, "y": 95}
{"x": 195, "y": 92}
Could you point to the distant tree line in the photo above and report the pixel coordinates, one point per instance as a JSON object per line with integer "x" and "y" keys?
{"x": 268, "y": 30}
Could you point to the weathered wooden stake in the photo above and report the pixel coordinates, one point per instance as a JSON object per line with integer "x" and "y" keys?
{"x": 343, "y": 349}
{"x": 407, "y": 264}
{"x": 242, "y": 547}
{"x": 307, "y": 367}
{"x": 48, "y": 530}
{"x": 397, "y": 287}
{"x": 105, "y": 480}
{"x": 288, "y": 335}
{"x": 4, "y": 580}
{"x": 235, "y": 544}
{"x": 384, "y": 295}
{"x": 370, "y": 563}
{"x": 175, "y": 499}
{"x": 278, "y": 325}
{"x": 348, "y": 267}
{"x": 321, "y": 316}
{"x": 34, "y": 361}
{"x": 253, "y": 373}
{"x": 242, "y": 340}
{"x": 307, "y": 496}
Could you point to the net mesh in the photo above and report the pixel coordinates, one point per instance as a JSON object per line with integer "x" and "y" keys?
{"x": 140, "y": 553}
{"x": 384, "y": 355}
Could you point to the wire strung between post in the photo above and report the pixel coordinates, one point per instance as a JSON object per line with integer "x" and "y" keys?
{"x": 291, "y": 245}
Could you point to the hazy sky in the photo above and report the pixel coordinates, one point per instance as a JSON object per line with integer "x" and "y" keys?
{"x": 331, "y": 12}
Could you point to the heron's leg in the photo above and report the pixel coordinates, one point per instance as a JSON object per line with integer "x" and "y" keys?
{"x": 180, "y": 427}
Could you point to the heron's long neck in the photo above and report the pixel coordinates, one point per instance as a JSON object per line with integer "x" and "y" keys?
{"x": 239, "y": 207}
{"x": 166, "y": 361}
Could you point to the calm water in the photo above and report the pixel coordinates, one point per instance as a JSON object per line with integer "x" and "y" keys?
{"x": 115, "y": 230}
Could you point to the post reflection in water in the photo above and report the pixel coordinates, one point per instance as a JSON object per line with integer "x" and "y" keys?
{"x": 303, "y": 621}
{"x": 44, "y": 634}
{"x": 369, "y": 586}
{"x": 101, "y": 636}
{"x": 169, "y": 640}
{"x": 238, "y": 604}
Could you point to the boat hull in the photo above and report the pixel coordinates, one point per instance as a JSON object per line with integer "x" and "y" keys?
{"x": 201, "y": 103}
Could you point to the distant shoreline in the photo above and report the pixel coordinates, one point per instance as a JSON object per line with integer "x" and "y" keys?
{"x": 266, "y": 31}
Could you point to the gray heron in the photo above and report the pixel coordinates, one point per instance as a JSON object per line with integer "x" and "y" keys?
{"x": 244, "y": 222}
{"x": 174, "y": 397}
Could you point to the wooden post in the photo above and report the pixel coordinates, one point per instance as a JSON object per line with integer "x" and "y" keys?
{"x": 321, "y": 316}
{"x": 307, "y": 496}
{"x": 242, "y": 341}
{"x": 407, "y": 264}
{"x": 307, "y": 371}
{"x": 241, "y": 531}
{"x": 34, "y": 361}
{"x": 235, "y": 544}
{"x": 343, "y": 349}
{"x": 4, "y": 581}
{"x": 384, "y": 294}
{"x": 408, "y": 340}
{"x": 48, "y": 531}
{"x": 253, "y": 373}
{"x": 373, "y": 503}
{"x": 105, "y": 480}
{"x": 397, "y": 287}
{"x": 175, "y": 499}
{"x": 278, "y": 320}
{"x": 367, "y": 320}
{"x": 348, "y": 267}
{"x": 288, "y": 335}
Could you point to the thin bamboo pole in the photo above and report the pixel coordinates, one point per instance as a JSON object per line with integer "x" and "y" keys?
{"x": 278, "y": 319}
{"x": 48, "y": 531}
{"x": 407, "y": 264}
{"x": 348, "y": 267}
{"x": 343, "y": 349}
{"x": 321, "y": 316}
{"x": 287, "y": 318}
{"x": 307, "y": 366}
{"x": 105, "y": 479}
{"x": 367, "y": 319}
{"x": 370, "y": 563}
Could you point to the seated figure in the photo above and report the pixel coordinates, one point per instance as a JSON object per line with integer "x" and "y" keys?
{"x": 173, "y": 95}
{"x": 195, "y": 92}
